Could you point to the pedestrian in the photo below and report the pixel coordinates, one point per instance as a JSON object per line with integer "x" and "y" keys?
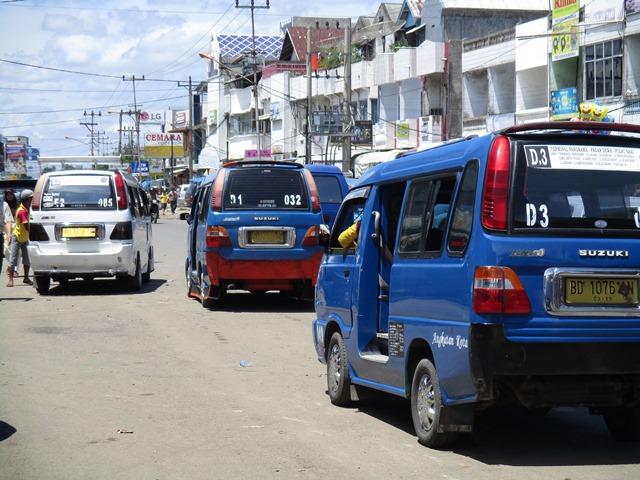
{"x": 164, "y": 198}
{"x": 20, "y": 238}
{"x": 11, "y": 200}
{"x": 173, "y": 200}
{"x": 6, "y": 224}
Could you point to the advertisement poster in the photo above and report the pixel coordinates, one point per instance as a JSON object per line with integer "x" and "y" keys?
{"x": 564, "y": 17}
{"x": 16, "y": 158}
{"x": 564, "y": 103}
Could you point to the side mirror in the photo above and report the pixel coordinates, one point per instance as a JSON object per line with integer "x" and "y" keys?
{"x": 324, "y": 235}
{"x": 187, "y": 217}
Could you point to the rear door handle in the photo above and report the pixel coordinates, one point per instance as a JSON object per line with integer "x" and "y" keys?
{"x": 346, "y": 272}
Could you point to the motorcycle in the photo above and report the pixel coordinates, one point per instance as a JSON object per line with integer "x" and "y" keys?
{"x": 154, "y": 210}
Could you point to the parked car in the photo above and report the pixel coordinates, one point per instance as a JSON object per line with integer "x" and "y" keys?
{"x": 254, "y": 225}
{"x": 502, "y": 269}
{"x": 181, "y": 191}
{"x": 332, "y": 187}
{"x": 185, "y": 208}
{"x": 88, "y": 224}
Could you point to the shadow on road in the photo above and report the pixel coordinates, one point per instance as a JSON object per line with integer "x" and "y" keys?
{"x": 100, "y": 286}
{"x": 509, "y": 436}
{"x": 270, "y": 302}
{"x": 6, "y": 431}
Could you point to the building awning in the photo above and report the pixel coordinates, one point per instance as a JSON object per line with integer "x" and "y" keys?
{"x": 415, "y": 29}
{"x": 365, "y": 161}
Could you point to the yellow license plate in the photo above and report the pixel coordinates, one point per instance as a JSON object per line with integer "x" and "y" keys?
{"x": 267, "y": 236}
{"x": 601, "y": 291}
{"x": 79, "y": 232}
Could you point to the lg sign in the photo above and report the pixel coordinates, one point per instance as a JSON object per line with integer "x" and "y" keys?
{"x": 152, "y": 117}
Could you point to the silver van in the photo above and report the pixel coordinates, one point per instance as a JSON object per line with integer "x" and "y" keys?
{"x": 88, "y": 224}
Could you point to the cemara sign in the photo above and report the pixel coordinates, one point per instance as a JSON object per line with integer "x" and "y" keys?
{"x": 163, "y": 145}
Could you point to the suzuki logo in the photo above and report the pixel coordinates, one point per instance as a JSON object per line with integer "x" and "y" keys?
{"x": 604, "y": 253}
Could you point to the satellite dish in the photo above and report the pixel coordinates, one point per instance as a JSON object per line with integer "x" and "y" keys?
{"x": 377, "y": 30}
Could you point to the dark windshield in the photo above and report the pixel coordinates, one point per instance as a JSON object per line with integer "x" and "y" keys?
{"x": 79, "y": 191}
{"x": 578, "y": 187}
{"x": 328, "y": 189}
{"x": 260, "y": 188}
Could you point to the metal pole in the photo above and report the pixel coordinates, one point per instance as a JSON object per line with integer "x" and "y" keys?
{"x": 191, "y": 130}
{"x": 346, "y": 142}
{"x": 307, "y": 158}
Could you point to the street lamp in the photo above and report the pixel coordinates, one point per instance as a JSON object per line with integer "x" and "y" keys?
{"x": 78, "y": 140}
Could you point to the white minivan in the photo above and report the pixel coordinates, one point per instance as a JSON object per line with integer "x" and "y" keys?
{"x": 88, "y": 224}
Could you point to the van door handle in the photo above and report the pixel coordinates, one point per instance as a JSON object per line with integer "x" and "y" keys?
{"x": 346, "y": 272}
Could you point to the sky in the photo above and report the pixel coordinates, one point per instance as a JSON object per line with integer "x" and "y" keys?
{"x": 62, "y": 58}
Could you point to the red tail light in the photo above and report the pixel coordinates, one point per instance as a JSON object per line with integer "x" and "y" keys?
{"x": 496, "y": 185}
{"x": 37, "y": 233}
{"x": 499, "y": 290}
{"x": 121, "y": 192}
{"x": 218, "y": 237}
{"x": 122, "y": 231}
{"x": 216, "y": 196}
{"x": 312, "y": 237}
{"x": 315, "y": 196}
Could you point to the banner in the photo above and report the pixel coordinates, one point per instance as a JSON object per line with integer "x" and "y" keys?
{"x": 564, "y": 17}
{"x": 160, "y": 145}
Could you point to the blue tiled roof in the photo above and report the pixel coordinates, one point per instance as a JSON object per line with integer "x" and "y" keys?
{"x": 267, "y": 46}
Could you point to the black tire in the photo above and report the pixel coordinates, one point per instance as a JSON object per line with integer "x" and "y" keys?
{"x": 42, "y": 283}
{"x": 624, "y": 426}
{"x": 427, "y": 407}
{"x": 204, "y": 293}
{"x": 134, "y": 282}
{"x": 146, "y": 276}
{"x": 338, "y": 377}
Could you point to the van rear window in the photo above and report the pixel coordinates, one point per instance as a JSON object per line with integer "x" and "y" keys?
{"x": 578, "y": 187}
{"x": 328, "y": 188}
{"x": 252, "y": 188}
{"x": 79, "y": 192}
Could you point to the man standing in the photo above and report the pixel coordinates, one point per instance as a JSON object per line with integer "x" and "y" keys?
{"x": 173, "y": 200}
{"x": 20, "y": 238}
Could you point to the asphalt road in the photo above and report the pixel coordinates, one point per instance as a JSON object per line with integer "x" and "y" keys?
{"x": 97, "y": 383}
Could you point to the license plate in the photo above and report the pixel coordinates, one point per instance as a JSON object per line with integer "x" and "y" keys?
{"x": 601, "y": 291}
{"x": 79, "y": 232}
{"x": 267, "y": 236}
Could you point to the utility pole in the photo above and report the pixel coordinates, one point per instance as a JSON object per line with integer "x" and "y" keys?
{"x": 254, "y": 54}
{"x": 307, "y": 155}
{"x": 90, "y": 126}
{"x": 191, "y": 130}
{"x": 346, "y": 127}
{"x": 137, "y": 113}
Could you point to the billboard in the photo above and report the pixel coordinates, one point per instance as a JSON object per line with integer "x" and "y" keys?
{"x": 564, "y": 17}
{"x": 160, "y": 145}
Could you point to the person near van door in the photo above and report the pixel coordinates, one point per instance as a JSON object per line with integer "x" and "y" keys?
{"x": 6, "y": 224}
{"x": 173, "y": 200}
{"x": 164, "y": 198}
{"x": 20, "y": 238}
{"x": 349, "y": 237}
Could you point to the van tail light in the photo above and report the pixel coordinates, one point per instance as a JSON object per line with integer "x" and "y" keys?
{"x": 499, "y": 290}
{"x": 313, "y": 189}
{"x": 496, "y": 185}
{"x": 122, "y": 231}
{"x": 121, "y": 191}
{"x": 37, "y": 233}
{"x": 218, "y": 237}
{"x": 35, "y": 203}
{"x": 216, "y": 197}
{"x": 312, "y": 237}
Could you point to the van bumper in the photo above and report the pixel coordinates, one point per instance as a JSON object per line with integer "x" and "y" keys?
{"x": 119, "y": 260}
{"x": 263, "y": 274}
{"x": 319, "y": 329}
{"x": 552, "y": 374}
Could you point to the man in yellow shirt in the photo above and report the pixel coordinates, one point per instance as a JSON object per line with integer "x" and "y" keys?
{"x": 20, "y": 238}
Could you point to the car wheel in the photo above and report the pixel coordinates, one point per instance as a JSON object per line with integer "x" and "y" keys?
{"x": 427, "y": 407}
{"x": 134, "y": 282}
{"x": 625, "y": 425}
{"x": 146, "y": 276}
{"x": 204, "y": 293}
{"x": 42, "y": 283}
{"x": 338, "y": 378}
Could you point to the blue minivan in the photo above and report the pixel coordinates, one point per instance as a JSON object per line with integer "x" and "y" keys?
{"x": 254, "y": 225}
{"x": 332, "y": 187}
{"x": 501, "y": 269}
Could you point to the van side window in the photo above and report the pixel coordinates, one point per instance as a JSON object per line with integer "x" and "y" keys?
{"x": 462, "y": 219}
{"x": 203, "y": 211}
{"x": 351, "y": 213}
{"x": 426, "y": 215}
{"x": 135, "y": 201}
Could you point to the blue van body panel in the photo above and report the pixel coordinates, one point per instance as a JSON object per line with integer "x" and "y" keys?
{"x": 331, "y": 194}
